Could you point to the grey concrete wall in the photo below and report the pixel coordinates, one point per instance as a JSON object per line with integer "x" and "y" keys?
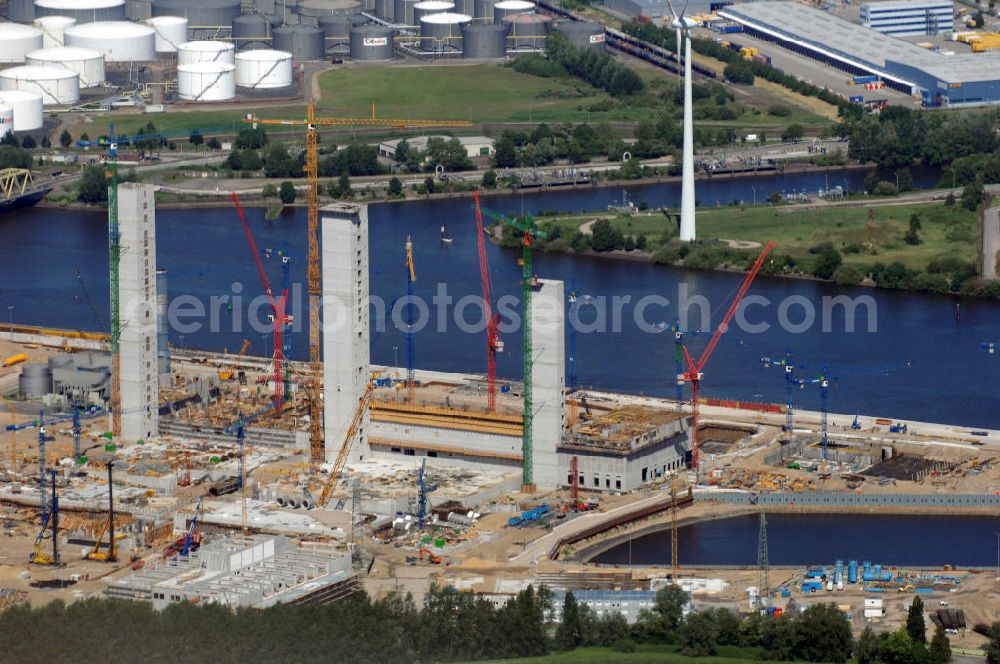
{"x": 344, "y": 230}
{"x": 548, "y": 328}
{"x": 137, "y": 294}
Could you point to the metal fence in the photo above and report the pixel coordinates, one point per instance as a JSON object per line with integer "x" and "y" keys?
{"x": 829, "y": 499}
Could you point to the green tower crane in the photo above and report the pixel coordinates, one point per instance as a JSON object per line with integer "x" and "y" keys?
{"x": 525, "y": 225}
{"x": 114, "y": 259}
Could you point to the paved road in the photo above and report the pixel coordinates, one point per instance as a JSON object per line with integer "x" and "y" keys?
{"x": 991, "y": 241}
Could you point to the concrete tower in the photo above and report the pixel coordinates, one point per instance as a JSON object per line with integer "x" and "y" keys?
{"x": 687, "y": 230}
{"x": 137, "y": 294}
{"x": 548, "y": 328}
{"x": 344, "y": 236}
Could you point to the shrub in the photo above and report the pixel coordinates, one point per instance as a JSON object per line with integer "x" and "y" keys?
{"x": 847, "y": 275}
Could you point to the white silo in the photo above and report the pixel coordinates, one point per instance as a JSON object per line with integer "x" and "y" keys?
{"x": 428, "y": 7}
{"x": 16, "y": 40}
{"x": 56, "y": 85}
{"x": 206, "y": 81}
{"x": 263, "y": 69}
{"x": 206, "y": 51}
{"x": 86, "y": 62}
{"x": 6, "y": 120}
{"x": 171, "y": 32}
{"x": 118, "y": 41}
{"x": 27, "y": 109}
{"x": 442, "y": 32}
{"x": 52, "y": 28}
{"x": 84, "y": 11}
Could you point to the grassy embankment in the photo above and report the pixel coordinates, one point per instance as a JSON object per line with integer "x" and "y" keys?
{"x": 946, "y": 232}
{"x": 484, "y": 94}
{"x": 645, "y": 654}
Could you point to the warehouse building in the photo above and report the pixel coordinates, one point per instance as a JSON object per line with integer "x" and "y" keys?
{"x": 967, "y": 79}
{"x": 904, "y": 18}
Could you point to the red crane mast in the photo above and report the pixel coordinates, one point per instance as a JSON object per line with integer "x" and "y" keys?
{"x": 493, "y": 343}
{"x": 278, "y": 305}
{"x": 694, "y": 373}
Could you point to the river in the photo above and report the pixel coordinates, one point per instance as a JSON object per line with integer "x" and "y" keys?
{"x": 821, "y": 539}
{"x": 949, "y": 378}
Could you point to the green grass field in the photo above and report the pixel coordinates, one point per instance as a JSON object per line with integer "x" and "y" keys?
{"x": 645, "y": 654}
{"x": 946, "y": 231}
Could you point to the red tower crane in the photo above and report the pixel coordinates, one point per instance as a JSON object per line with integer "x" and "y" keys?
{"x": 694, "y": 373}
{"x": 493, "y": 343}
{"x": 278, "y": 317}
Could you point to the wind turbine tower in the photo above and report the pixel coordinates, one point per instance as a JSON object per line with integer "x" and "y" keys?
{"x": 683, "y": 25}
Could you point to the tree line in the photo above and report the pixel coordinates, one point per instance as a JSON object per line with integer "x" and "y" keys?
{"x": 450, "y": 626}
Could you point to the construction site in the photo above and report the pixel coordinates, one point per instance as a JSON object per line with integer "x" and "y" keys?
{"x": 138, "y": 470}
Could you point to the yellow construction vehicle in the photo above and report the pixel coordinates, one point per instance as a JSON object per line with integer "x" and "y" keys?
{"x": 341, "y": 460}
{"x": 229, "y": 374}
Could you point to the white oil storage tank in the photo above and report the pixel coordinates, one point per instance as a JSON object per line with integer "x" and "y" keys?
{"x": 52, "y": 28}
{"x": 170, "y": 32}
{"x": 206, "y": 81}
{"x": 511, "y": 7}
{"x": 428, "y": 7}
{"x": 86, "y": 62}
{"x": 442, "y": 32}
{"x": 206, "y": 51}
{"x": 6, "y": 120}
{"x": 118, "y": 41}
{"x": 57, "y": 86}
{"x": 84, "y": 11}
{"x": 263, "y": 69}
{"x": 372, "y": 43}
{"x": 27, "y": 109}
{"x": 16, "y": 40}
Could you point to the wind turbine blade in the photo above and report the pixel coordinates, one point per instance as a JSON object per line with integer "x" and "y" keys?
{"x": 670, "y": 6}
{"x": 684, "y": 8}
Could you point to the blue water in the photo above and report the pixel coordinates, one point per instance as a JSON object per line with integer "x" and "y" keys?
{"x": 821, "y": 539}
{"x": 949, "y": 378}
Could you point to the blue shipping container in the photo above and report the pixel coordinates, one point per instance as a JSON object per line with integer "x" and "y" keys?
{"x": 857, "y": 99}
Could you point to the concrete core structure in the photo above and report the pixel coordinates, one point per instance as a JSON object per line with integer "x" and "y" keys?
{"x": 137, "y": 294}
{"x": 548, "y": 374}
{"x": 344, "y": 235}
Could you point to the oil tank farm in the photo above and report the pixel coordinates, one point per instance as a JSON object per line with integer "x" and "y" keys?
{"x": 251, "y": 31}
{"x": 506, "y": 8}
{"x": 206, "y": 51}
{"x": 206, "y": 81}
{"x": 583, "y": 34}
{"x": 442, "y": 33}
{"x": 118, "y": 41}
{"x": 27, "y": 108}
{"x": 482, "y": 10}
{"x": 403, "y": 13}
{"x": 337, "y": 30}
{"x": 286, "y": 12}
{"x": 170, "y": 32}
{"x": 86, "y": 62}
{"x": 372, "y": 43}
{"x": 527, "y": 32}
{"x": 52, "y": 28}
{"x": 428, "y": 7}
{"x": 55, "y": 85}
{"x": 18, "y": 40}
{"x": 484, "y": 41}
{"x": 84, "y": 11}
{"x": 310, "y": 11}
{"x": 263, "y": 69}
{"x": 204, "y": 16}
{"x": 304, "y": 42}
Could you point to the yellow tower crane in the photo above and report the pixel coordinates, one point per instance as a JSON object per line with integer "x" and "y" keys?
{"x": 311, "y": 122}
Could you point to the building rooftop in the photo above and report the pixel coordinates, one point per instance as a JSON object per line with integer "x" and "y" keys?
{"x": 905, "y": 4}
{"x": 858, "y": 45}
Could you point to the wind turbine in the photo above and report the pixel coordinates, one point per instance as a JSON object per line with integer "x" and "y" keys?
{"x": 683, "y": 26}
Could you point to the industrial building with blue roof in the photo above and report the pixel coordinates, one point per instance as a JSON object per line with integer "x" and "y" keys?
{"x": 966, "y": 79}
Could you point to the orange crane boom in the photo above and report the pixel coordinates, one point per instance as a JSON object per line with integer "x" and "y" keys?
{"x": 341, "y": 460}
{"x": 310, "y": 122}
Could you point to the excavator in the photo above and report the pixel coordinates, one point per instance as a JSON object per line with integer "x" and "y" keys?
{"x": 432, "y": 558}
{"x": 234, "y": 372}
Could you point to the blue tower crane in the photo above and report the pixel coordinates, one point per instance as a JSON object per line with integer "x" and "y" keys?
{"x": 790, "y": 384}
